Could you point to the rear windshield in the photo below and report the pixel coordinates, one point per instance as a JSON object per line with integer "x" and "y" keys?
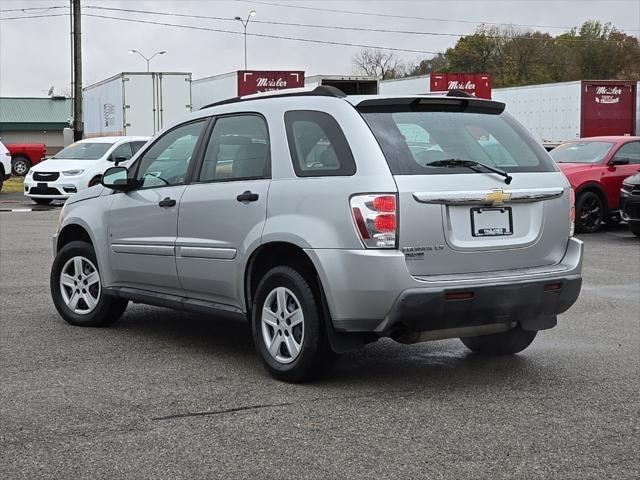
{"x": 412, "y": 140}
{"x": 581, "y": 152}
{"x": 83, "y": 151}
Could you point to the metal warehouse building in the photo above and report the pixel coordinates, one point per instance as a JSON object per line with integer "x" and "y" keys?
{"x": 34, "y": 120}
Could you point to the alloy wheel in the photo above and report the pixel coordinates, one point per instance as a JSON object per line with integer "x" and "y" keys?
{"x": 282, "y": 325}
{"x": 80, "y": 285}
{"x": 591, "y": 213}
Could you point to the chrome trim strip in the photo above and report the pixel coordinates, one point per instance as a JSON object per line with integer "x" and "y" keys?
{"x": 164, "y": 250}
{"x": 207, "y": 252}
{"x": 475, "y": 197}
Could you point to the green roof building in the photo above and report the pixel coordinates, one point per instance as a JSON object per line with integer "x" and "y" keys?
{"x": 34, "y": 120}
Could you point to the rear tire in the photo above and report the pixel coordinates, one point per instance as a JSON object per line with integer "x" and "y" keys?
{"x": 42, "y": 201}
{"x": 288, "y": 327}
{"x": 20, "y": 165}
{"x": 76, "y": 288}
{"x": 589, "y": 212}
{"x": 635, "y": 228}
{"x": 504, "y": 343}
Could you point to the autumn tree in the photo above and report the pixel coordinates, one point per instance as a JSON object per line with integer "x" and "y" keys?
{"x": 384, "y": 64}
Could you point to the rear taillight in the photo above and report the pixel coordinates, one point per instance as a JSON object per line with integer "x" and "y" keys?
{"x": 376, "y": 219}
{"x": 572, "y": 211}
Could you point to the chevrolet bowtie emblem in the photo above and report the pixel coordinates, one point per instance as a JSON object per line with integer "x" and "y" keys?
{"x": 497, "y": 196}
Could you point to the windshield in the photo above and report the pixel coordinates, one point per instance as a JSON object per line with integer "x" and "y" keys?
{"x": 83, "y": 151}
{"x": 581, "y": 152}
{"x": 412, "y": 141}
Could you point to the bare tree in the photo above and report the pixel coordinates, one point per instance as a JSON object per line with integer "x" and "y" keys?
{"x": 378, "y": 63}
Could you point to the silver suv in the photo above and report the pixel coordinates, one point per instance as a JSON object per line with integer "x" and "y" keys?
{"x": 329, "y": 222}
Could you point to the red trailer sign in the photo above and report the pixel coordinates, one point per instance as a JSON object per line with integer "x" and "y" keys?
{"x": 478, "y": 84}
{"x": 608, "y": 108}
{"x": 255, "y": 81}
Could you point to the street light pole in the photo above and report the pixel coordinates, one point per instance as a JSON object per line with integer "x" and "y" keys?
{"x": 148, "y": 59}
{"x": 244, "y": 24}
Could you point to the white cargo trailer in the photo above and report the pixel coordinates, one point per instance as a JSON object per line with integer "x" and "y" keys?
{"x": 556, "y": 112}
{"x": 136, "y": 103}
{"x": 350, "y": 85}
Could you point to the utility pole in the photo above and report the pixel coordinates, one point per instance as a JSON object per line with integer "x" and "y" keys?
{"x": 78, "y": 123}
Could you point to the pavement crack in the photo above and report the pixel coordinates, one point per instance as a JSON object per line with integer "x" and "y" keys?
{"x": 222, "y": 412}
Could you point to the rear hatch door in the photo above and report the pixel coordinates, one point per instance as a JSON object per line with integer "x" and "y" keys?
{"x": 457, "y": 219}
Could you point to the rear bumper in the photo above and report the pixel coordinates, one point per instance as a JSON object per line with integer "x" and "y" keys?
{"x": 372, "y": 291}
{"x": 534, "y": 305}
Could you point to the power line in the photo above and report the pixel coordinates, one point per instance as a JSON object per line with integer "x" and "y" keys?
{"x": 407, "y": 17}
{"x": 337, "y": 27}
{"x": 327, "y": 42}
{"x": 35, "y": 16}
{"x": 261, "y": 35}
{"x": 32, "y": 8}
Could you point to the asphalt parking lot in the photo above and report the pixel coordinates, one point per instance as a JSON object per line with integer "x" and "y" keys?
{"x": 163, "y": 394}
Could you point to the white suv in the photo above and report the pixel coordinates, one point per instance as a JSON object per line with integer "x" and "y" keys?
{"x": 78, "y": 166}
{"x": 5, "y": 164}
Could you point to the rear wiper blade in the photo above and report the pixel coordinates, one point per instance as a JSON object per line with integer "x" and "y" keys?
{"x": 472, "y": 164}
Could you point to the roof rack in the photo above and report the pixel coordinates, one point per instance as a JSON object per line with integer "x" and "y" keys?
{"x": 319, "y": 91}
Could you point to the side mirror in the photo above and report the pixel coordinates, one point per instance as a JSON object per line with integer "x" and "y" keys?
{"x": 619, "y": 161}
{"x": 117, "y": 160}
{"x": 117, "y": 178}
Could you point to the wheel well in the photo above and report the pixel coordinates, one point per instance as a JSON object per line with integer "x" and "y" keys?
{"x": 594, "y": 189}
{"x": 19, "y": 155}
{"x": 272, "y": 255}
{"x": 72, "y": 233}
{"x": 97, "y": 177}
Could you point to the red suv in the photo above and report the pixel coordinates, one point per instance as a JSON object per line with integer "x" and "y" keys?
{"x": 596, "y": 167}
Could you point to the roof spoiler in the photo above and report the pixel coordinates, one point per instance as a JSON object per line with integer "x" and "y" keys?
{"x": 454, "y": 101}
{"x": 321, "y": 91}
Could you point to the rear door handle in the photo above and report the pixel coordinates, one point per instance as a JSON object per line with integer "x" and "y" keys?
{"x": 247, "y": 196}
{"x": 167, "y": 202}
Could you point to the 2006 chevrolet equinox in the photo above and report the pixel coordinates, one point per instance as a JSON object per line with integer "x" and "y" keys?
{"x": 329, "y": 222}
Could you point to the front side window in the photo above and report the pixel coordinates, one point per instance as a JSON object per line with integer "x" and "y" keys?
{"x": 238, "y": 149}
{"x": 83, "y": 151}
{"x": 629, "y": 151}
{"x": 317, "y": 145}
{"x": 166, "y": 162}
{"x": 122, "y": 151}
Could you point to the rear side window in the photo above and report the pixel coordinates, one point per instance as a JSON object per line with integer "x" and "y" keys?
{"x": 412, "y": 141}
{"x": 238, "y": 150}
{"x": 317, "y": 145}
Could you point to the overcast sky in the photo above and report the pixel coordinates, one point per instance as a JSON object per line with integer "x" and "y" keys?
{"x": 34, "y": 53}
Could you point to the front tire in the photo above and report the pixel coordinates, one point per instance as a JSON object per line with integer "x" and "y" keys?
{"x": 589, "y": 212}
{"x": 504, "y": 343}
{"x": 42, "y": 201}
{"x": 76, "y": 288}
{"x": 20, "y": 165}
{"x": 287, "y": 324}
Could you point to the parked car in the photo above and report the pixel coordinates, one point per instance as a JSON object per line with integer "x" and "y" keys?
{"x": 78, "y": 166}
{"x": 595, "y": 168}
{"x": 630, "y": 202}
{"x": 5, "y": 164}
{"x": 25, "y": 155}
{"x": 308, "y": 214}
